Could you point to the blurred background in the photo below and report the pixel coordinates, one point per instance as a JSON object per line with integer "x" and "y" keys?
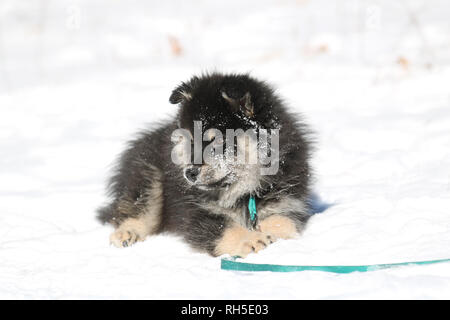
{"x": 56, "y": 41}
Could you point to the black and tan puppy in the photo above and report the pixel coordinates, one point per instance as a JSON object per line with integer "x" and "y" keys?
{"x": 207, "y": 203}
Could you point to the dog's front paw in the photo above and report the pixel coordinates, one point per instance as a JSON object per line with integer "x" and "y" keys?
{"x": 280, "y": 227}
{"x": 123, "y": 238}
{"x": 238, "y": 241}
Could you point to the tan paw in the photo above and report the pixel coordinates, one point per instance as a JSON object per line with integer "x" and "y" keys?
{"x": 132, "y": 230}
{"x": 278, "y": 226}
{"x": 123, "y": 238}
{"x": 238, "y": 241}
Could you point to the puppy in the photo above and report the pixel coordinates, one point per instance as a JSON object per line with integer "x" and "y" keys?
{"x": 176, "y": 178}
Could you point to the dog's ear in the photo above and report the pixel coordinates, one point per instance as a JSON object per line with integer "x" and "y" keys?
{"x": 180, "y": 94}
{"x": 245, "y": 104}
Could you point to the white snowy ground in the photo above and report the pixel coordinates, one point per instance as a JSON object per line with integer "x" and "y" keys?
{"x": 78, "y": 78}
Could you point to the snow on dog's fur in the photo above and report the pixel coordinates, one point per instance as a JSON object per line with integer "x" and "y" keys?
{"x": 207, "y": 203}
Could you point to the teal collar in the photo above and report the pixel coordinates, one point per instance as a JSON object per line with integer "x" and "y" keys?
{"x": 252, "y": 208}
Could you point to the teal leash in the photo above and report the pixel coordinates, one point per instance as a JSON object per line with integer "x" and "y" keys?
{"x": 232, "y": 264}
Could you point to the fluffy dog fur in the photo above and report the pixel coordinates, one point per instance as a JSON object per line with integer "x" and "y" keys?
{"x": 151, "y": 194}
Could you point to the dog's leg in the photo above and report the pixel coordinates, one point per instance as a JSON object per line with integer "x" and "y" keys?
{"x": 279, "y": 226}
{"x": 218, "y": 234}
{"x": 147, "y": 221}
{"x": 135, "y": 219}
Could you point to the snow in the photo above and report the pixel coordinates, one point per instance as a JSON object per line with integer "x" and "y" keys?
{"x": 78, "y": 78}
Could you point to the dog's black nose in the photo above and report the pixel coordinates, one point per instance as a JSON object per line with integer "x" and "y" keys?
{"x": 192, "y": 173}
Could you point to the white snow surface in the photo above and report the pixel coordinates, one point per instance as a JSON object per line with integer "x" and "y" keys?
{"x": 79, "y": 78}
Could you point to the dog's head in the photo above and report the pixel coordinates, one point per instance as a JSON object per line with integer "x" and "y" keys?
{"x": 211, "y": 108}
